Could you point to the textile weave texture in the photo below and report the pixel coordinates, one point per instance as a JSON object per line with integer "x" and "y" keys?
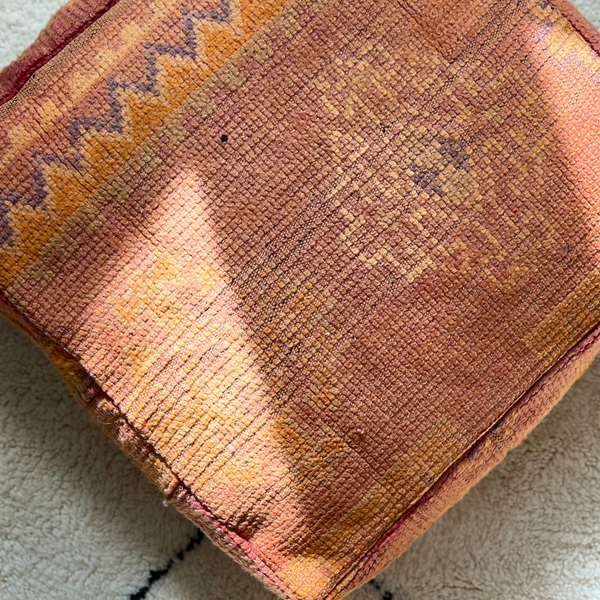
{"x": 315, "y": 265}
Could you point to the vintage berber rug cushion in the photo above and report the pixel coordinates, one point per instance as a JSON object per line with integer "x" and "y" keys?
{"x": 315, "y": 265}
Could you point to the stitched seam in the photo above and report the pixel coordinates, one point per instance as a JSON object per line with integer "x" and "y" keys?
{"x": 46, "y": 342}
{"x": 28, "y": 71}
{"x": 181, "y": 484}
{"x": 560, "y": 366}
{"x": 579, "y": 23}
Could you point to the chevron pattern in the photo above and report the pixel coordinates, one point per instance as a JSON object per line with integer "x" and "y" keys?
{"x": 100, "y": 145}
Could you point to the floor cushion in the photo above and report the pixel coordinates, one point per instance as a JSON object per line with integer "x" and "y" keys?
{"x": 314, "y": 281}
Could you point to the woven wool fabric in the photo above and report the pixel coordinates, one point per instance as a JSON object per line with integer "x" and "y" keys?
{"x": 316, "y": 265}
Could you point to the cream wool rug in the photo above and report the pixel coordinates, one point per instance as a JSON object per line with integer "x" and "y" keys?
{"x": 99, "y": 530}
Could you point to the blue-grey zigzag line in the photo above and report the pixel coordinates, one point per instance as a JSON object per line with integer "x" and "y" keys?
{"x": 114, "y": 122}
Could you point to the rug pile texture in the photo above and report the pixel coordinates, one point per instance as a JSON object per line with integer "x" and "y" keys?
{"x": 518, "y": 534}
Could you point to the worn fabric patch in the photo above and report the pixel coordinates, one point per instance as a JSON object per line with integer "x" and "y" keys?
{"x": 316, "y": 265}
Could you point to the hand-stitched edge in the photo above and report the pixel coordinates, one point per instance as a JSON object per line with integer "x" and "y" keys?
{"x": 68, "y": 22}
{"x": 585, "y": 29}
{"x": 485, "y": 454}
{"x": 107, "y": 415}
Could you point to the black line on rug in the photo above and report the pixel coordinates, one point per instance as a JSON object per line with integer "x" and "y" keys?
{"x": 385, "y": 594}
{"x": 156, "y": 574}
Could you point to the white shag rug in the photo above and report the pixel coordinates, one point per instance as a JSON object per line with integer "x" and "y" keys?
{"x": 78, "y": 521}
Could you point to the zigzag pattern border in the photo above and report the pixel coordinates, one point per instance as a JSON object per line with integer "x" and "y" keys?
{"x": 81, "y": 125}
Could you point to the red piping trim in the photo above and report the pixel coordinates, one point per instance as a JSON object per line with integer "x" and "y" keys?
{"x": 67, "y": 24}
